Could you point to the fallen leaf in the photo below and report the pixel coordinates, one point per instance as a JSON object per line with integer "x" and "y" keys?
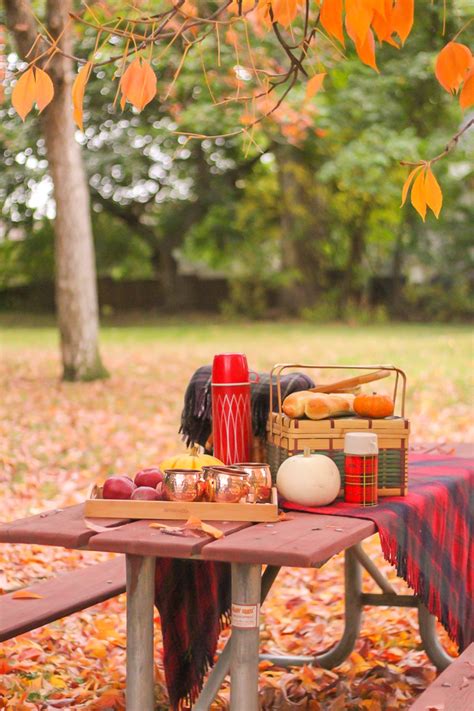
{"x": 196, "y": 524}
{"x": 26, "y": 595}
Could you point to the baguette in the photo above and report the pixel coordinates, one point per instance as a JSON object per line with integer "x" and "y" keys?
{"x": 321, "y": 405}
{"x": 317, "y": 406}
{"x": 294, "y": 404}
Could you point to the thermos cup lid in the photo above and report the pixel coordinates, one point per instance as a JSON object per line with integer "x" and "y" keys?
{"x": 363, "y": 443}
{"x": 230, "y": 368}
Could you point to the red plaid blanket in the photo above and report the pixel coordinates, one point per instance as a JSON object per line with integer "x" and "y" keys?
{"x": 427, "y": 535}
{"x": 193, "y": 598}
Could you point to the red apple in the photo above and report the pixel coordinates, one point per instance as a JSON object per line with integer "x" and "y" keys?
{"x": 160, "y": 491}
{"x": 118, "y": 487}
{"x": 151, "y": 476}
{"x": 145, "y": 493}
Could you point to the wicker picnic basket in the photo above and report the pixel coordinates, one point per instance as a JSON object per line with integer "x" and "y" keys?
{"x": 286, "y": 436}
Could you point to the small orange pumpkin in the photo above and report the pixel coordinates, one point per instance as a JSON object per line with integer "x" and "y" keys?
{"x": 374, "y": 406}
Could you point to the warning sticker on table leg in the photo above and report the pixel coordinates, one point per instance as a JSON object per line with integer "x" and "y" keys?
{"x": 245, "y": 616}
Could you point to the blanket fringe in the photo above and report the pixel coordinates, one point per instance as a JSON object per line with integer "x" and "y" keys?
{"x": 406, "y": 569}
{"x": 186, "y": 702}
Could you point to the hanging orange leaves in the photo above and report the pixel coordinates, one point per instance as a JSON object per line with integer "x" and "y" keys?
{"x": 33, "y": 86}
{"x": 455, "y": 65}
{"x": 425, "y": 192}
{"x": 138, "y": 84}
{"x": 466, "y": 97}
{"x": 314, "y": 85}
{"x": 364, "y": 17}
{"x": 284, "y": 11}
{"x": 78, "y": 89}
{"x": 331, "y": 18}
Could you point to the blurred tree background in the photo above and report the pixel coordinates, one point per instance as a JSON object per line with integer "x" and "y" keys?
{"x": 304, "y": 221}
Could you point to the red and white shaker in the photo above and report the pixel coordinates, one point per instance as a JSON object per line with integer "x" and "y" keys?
{"x": 231, "y": 410}
{"x": 361, "y": 468}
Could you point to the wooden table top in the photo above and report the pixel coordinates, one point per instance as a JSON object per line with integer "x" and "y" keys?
{"x": 302, "y": 540}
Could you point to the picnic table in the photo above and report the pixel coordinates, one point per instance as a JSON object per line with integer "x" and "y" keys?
{"x": 305, "y": 540}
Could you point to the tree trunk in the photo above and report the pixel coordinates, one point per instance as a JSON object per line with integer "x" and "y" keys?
{"x": 76, "y": 287}
{"x": 352, "y": 287}
{"x": 302, "y": 221}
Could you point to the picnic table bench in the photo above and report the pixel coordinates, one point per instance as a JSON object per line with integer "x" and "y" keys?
{"x": 453, "y": 689}
{"x": 61, "y": 596}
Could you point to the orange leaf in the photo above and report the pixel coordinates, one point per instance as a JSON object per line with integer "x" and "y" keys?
{"x": 331, "y": 18}
{"x": 78, "y": 89}
{"x": 418, "y": 199}
{"x": 407, "y": 183}
{"x": 402, "y": 18}
{"x": 466, "y": 97}
{"x": 382, "y": 23}
{"x": 452, "y": 64}
{"x": 246, "y": 6}
{"x": 358, "y": 17}
{"x": 433, "y": 194}
{"x": 284, "y": 11}
{"x": 365, "y": 49}
{"x": 197, "y": 524}
{"x": 26, "y": 595}
{"x": 314, "y": 85}
{"x": 44, "y": 89}
{"x": 138, "y": 84}
{"x": 24, "y": 93}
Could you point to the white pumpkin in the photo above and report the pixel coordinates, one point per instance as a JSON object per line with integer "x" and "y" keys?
{"x": 309, "y": 479}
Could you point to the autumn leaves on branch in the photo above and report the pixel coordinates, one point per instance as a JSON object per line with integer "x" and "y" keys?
{"x": 292, "y": 24}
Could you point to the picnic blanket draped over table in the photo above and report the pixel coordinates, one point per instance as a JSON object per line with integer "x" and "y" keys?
{"x": 194, "y": 599}
{"x": 427, "y": 536}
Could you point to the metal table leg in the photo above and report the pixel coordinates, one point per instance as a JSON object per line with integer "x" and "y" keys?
{"x": 430, "y": 640}
{"x": 246, "y": 584}
{"x": 352, "y": 619}
{"x": 222, "y": 666}
{"x": 140, "y": 600}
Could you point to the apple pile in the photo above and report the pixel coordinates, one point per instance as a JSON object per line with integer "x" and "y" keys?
{"x": 147, "y": 485}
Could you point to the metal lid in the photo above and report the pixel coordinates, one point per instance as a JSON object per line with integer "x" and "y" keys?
{"x": 361, "y": 443}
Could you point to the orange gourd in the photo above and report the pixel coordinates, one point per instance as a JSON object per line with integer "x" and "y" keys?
{"x": 374, "y": 406}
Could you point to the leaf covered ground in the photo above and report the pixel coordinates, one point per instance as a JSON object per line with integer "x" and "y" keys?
{"x": 57, "y": 439}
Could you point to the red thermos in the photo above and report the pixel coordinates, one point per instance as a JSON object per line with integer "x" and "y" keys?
{"x": 231, "y": 411}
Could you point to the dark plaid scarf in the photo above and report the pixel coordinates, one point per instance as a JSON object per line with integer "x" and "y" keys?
{"x": 428, "y": 536}
{"x": 196, "y": 418}
{"x": 193, "y": 598}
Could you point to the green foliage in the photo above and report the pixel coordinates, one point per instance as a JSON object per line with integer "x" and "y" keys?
{"x": 313, "y": 222}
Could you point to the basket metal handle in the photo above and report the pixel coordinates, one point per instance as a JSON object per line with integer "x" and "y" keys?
{"x": 278, "y": 369}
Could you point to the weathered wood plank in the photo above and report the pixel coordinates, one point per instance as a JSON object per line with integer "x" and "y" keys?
{"x": 303, "y": 541}
{"x": 453, "y": 690}
{"x": 57, "y": 527}
{"x": 62, "y": 596}
{"x": 138, "y": 538}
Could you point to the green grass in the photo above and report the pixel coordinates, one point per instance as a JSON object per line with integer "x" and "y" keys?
{"x": 438, "y": 351}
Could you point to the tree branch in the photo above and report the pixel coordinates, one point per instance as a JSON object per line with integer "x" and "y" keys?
{"x": 450, "y": 146}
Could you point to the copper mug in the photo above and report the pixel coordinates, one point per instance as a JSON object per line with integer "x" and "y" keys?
{"x": 259, "y": 478}
{"x": 183, "y": 485}
{"x": 225, "y": 484}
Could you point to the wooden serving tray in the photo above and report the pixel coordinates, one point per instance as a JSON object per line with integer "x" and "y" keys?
{"x": 98, "y": 507}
